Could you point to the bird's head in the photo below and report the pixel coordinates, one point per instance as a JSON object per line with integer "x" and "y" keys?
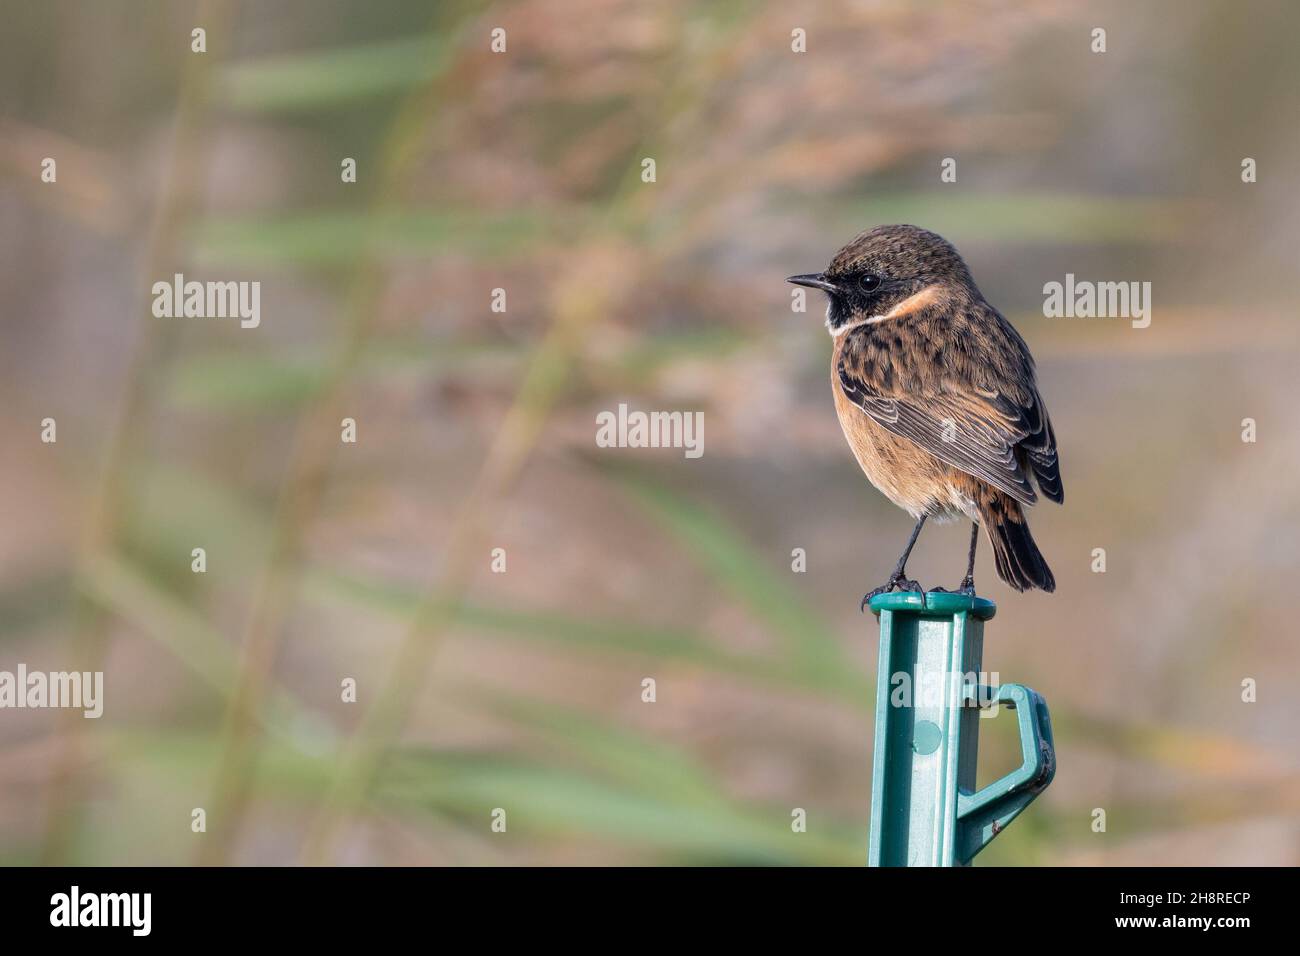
{"x": 889, "y": 271}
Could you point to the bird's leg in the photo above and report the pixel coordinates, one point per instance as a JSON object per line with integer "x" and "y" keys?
{"x": 968, "y": 582}
{"x": 896, "y": 580}
{"x": 967, "y": 585}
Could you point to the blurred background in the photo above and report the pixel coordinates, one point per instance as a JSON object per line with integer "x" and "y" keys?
{"x": 476, "y": 429}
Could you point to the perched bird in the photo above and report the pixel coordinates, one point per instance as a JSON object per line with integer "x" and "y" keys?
{"x": 936, "y": 395}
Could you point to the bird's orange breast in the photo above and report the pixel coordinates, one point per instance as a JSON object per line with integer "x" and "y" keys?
{"x": 905, "y": 473}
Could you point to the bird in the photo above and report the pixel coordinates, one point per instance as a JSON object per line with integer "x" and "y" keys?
{"x": 938, "y": 398}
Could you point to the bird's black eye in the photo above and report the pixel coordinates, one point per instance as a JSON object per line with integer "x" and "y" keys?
{"x": 869, "y": 283}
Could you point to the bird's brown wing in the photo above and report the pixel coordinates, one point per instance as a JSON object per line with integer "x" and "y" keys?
{"x": 976, "y": 428}
{"x": 1040, "y": 451}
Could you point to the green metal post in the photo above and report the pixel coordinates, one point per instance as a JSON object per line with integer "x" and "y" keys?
{"x": 924, "y": 807}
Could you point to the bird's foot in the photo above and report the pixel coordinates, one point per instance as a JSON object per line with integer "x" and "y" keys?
{"x": 967, "y": 587}
{"x": 896, "y": 582}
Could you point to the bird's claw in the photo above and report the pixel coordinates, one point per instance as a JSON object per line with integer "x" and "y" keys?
{"x": 967, "y": 587}
{"x": 866, "y": 598}
{"x": 896, "y": 583}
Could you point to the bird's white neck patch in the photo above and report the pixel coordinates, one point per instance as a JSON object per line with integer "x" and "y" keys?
{"x": 913, "y": 303}
{"x": 858, "y": 323}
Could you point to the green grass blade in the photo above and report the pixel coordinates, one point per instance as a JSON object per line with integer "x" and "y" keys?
{"x": 340, "y": 237}
{"x": 326, "y": 79}
{"x": 716, "y": 545}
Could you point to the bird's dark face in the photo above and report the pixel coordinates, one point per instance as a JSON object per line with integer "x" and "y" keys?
{"x": 882, "y": 269}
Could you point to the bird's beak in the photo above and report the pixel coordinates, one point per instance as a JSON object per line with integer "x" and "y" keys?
{"x": 815, "y": 280}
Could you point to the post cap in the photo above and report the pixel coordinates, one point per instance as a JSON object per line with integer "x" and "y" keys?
{"x": 935, "y": 603}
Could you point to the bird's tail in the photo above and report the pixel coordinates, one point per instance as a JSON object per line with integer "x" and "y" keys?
{"x": 1019, "y": 561}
